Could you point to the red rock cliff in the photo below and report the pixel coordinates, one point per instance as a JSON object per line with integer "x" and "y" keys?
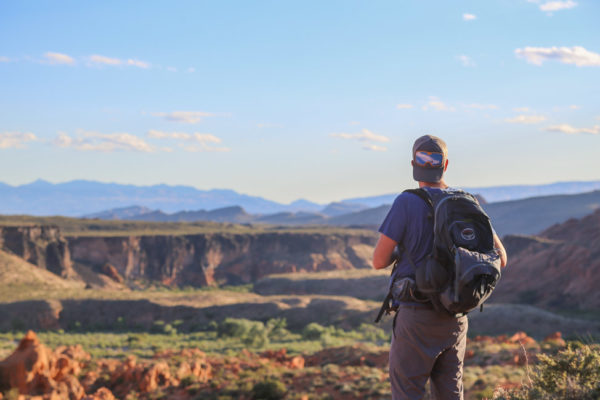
{"x": 209, "y": 259}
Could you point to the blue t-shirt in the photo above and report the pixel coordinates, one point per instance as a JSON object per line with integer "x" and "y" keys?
{"x": 407, "y": 224}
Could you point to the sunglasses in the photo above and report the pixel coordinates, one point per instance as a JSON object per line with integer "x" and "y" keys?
{"x": 429, "y": 159}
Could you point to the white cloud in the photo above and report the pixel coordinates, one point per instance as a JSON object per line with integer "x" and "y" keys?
{"x": 466, "y": 61}
{"x": 58, "y": 58}
{"x": 4, "y": 59}
{"x": 469, "y": 17}
{"x": 365, "y": 135}
{"x": 196, "y": 142}
{"x": 550, "y": 6}
{"x": 404, "y": 106}
{"x": 99, "y": 60}
{"x": 574, "y": 107}
{"x": 138, "y": 63}
{"x": 571, "y": 130}
{"x": 103, "y": 60}
{"x": 437, "y": 105}
{"x": 171, "y": 69}
{"x": 374, "y": 147}
{"x": 168, "y": 135}
{"x": 521, "y": 109}
{"x": 482, "y": 106}
{"x": 526, "y": 119}
{"x": 16, "y": 139}
{"x": 104, "y": 142}
{"x": 568, "y": 55}
{"x": 191, "y": 70}
{"x": 188, "y": 117}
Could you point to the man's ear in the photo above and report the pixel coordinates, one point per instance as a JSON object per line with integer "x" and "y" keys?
{"x": 446, "y": 166}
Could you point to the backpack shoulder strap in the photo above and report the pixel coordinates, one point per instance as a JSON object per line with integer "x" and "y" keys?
{"x": 423, "y": 194}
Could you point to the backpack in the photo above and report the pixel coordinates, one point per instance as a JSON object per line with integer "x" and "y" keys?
{"x": 463, "y": 267}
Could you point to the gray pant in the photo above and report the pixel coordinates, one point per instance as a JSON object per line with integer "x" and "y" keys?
{"x": 427, "y": 344}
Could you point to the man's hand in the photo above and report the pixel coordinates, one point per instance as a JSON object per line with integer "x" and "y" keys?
{"x": 384, "y": 250}
{"x": 500, "y": 250}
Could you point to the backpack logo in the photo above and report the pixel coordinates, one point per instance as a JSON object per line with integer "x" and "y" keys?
{"x": 468, "y": 234}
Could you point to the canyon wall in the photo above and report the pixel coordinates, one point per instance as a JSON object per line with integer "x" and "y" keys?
{"x": 216, "y": 259}
{"x": 43, "y": 246}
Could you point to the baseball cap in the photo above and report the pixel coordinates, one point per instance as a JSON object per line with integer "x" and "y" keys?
{"x": 429, "y": 158}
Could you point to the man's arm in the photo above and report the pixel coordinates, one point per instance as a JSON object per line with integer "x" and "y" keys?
{"x": 382, "y": 256}
{"x": 501, "y": 251}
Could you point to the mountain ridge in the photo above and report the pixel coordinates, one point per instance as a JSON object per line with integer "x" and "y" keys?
{"x": 85, "y": 197}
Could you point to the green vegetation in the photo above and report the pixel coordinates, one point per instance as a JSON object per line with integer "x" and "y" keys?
{"x": 572, "y": 374}
{"x": 96, "y": 227}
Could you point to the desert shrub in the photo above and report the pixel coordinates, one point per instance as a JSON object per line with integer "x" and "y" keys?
{"x": 313, "y": 331}
{"x": 269, "y": 390}
{"x": 372, "y": 333}
{"x": 257, "y": 337}
{"x": 236, "y": 327}
{"x": 276, "y": 328}
{"x": 572, "y": 374}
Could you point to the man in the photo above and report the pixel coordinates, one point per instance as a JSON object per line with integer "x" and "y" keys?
{"x": 425, "y": 343}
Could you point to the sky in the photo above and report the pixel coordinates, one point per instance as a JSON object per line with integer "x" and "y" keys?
{"x": 319, "y": 100}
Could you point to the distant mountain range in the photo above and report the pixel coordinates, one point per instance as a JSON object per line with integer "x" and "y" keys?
{"x": 525, "y": 216}
{"x": 81, "y": 197}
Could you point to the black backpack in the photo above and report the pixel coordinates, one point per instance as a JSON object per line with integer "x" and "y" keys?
{"x": 463, "y": 267}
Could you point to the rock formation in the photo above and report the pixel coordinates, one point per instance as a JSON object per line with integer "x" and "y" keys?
{"x": 559, "y": 269}
{"x": 43, "y": 246}
{"x": 211, "y": 259}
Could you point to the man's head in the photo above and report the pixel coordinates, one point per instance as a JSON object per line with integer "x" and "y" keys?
{"x": 430, "y": 159}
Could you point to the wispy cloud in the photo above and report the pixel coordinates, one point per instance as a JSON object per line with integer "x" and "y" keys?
{"x": 526, "y": 119}
{"x": 188, "y": 117}
{"x": 374, "y": 147}
{"x": 138, "y": 63}
{"x": 16, "y": 139}
{"x": 365, "y": 135}
{"x": 404, "y": 106}
{"x": 568, "y": 55}
{"x": 4, "y": 59}
{"x": 103, "y": 60}
{"x": 571, "y": 130}
{"x": 103, "y": 142}
{"x": 58, "y": 58}
{"x": 198, "y": 137}
{"x": 551, "y": 6}
{"x": 196, "y": 142}
{"x": 437, "y": 105}
{"x": 478, "y": 106}
{"x": 466, "y": 61}
{"x": 99, "y": 60}
{"x": 469, "y": 17}
{"x": 521, "y": 109}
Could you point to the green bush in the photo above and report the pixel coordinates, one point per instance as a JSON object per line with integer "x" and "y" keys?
{"x": 572, "y": 374}
{"x": 313, "y": 331}
{"x": 236, "y": 327}
{"x": 268, "y": 390}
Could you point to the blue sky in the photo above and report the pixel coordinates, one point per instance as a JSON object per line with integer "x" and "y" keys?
{"x": 298, "y": 99}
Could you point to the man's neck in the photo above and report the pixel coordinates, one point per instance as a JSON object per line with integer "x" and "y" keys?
{"x": 440, "y": 185}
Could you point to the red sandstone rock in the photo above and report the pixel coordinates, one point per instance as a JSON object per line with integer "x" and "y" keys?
{"x": 556, "y": 339}
{"x": 101, "y": 394}
{"x": 110, "y": 271}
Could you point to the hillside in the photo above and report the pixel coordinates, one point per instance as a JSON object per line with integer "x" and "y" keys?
{"x": 558, "y": 270}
